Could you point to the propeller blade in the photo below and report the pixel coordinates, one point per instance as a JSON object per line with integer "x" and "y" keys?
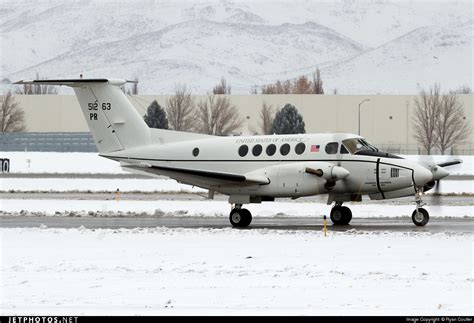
{"x": 437, "y": 193}
{"x": 450, "y": 163}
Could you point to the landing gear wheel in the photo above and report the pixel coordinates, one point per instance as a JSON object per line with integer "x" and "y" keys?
{"x": 341, "y": 215}
{"x": 420, "y": 217}
{"x": 240, "y": 218}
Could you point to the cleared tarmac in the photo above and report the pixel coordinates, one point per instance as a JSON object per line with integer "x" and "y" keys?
{"x": 141, "y": 196}
{"x": 436, "y": 225}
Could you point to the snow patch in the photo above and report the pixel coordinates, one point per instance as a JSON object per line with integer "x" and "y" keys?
{"x": 163, "y": 271}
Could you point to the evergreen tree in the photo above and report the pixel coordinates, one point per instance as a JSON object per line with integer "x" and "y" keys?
{"x": 155, "y": 116}
{"x": 288, "y": 121}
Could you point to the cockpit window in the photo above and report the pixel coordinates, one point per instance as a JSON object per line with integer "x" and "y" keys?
{"x": 354, "y": 145}
{"x": 343, "y": 150}
{"x": 331, "y": 148}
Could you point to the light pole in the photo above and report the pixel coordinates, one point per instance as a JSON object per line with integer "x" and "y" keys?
{"x": 365, "y": 100}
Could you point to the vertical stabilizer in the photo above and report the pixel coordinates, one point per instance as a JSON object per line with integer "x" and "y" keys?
{"x": 112, "y": 119}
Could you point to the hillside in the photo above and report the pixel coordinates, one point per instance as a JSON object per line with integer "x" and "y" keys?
{"x": 361, "y": 46}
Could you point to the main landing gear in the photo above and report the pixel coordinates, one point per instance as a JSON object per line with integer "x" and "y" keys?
{"x": 341, "y": 215}
{"x": 240, "y": 217}
{"x": 420, "y": 216}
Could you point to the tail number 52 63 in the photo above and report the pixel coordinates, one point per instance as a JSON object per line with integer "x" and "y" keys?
{"x": 93, "y": 106}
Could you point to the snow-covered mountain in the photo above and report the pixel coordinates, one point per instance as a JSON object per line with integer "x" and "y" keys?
{"x": 415, "y": 60}
{"x": 361, "y": 46}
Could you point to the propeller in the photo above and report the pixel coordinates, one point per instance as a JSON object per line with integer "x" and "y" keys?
{"x": 438, "y": 172}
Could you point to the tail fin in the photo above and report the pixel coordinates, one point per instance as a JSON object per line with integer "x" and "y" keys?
{"x": 112, "y": 119}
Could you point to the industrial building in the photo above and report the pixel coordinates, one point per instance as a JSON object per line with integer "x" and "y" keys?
{"x": 385, "y": 120}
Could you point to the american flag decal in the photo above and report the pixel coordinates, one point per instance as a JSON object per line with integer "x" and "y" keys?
{"x": 314, "y": 148}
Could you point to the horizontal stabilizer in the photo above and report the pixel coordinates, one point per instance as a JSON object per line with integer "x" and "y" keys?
{"x": 76, "y": 82}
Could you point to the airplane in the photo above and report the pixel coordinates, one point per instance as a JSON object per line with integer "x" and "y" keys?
{"x": 251, "y": 169}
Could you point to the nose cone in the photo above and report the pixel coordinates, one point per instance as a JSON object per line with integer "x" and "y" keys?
{"x": 422, "y": 176}
{"x": 439, "y": 172}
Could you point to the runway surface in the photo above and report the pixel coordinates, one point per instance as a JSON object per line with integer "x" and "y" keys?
{"x": 436, "y": 225}
{"x": 143, "y": 196}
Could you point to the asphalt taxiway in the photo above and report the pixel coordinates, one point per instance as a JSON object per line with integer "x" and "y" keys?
{"x": 403, "y": 224}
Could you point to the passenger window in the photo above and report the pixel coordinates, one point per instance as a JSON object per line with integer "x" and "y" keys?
{"x": 257, "y": 150}
{"x": 344, "y": 150}
{"x": 285, "y": 149}
{"x": 331, "y": 148}
{"x": 243, "y": 150}
{"x": 271, "y": 149}
{"x": 195, "y": 152}
{"x": 300, "y": 148}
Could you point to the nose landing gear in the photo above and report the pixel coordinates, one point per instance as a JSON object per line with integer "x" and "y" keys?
{"x": 420, "y": 216}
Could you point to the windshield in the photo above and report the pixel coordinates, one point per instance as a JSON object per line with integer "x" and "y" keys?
{"x": 357, "y": 144}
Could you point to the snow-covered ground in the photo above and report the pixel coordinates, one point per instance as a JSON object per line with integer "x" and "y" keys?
{"x": 51, "y": 162}
{"x": 96, "y": 185}
{"x": 206, "y": 208}
{"x": 159, "y": 271}
{"x": 152, "y": 185}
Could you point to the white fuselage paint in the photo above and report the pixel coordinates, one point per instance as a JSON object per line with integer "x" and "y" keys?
{"x": 286, "y": 173}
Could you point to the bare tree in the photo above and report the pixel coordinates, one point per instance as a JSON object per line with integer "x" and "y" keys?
{"x": 427, "y": 107}
{"x": 286, "y": 87}
{"x": 12, "y": 117}
{"x": 37, "y": 89}
{"x": 451, "y": 127}
{"x": 222, "y": 88}
{"x": 180, "y": 109}
{"x": 269, "y": 89}
{"x": 317, "y": 83}
{"x": 299, "y": 85}
{"x": 302, "y": 85}
{"x": 217, "y": 116}
{"x": 462, "y": 90}
{"x": 267, "y": 116}
{"x": 254, "y": 89}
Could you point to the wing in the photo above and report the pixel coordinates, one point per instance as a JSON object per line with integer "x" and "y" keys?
{"x": 198, "y": 177}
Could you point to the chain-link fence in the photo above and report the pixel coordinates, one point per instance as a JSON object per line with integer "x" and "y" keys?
{"x": 83, "y": 142}
{"x": 418, "y": 150}
{"x": 47, "y": 141}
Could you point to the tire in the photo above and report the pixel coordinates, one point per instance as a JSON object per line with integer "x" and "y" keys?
{"x": 347, "y": 215}
{"x": 240, "y": 218}
{"x": 421, "y": 218}
{"x": 341, "y": 215}
{"x": 5, "y": 165}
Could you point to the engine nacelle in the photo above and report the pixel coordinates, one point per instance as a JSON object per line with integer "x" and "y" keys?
{"x": 299, "y": 179}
